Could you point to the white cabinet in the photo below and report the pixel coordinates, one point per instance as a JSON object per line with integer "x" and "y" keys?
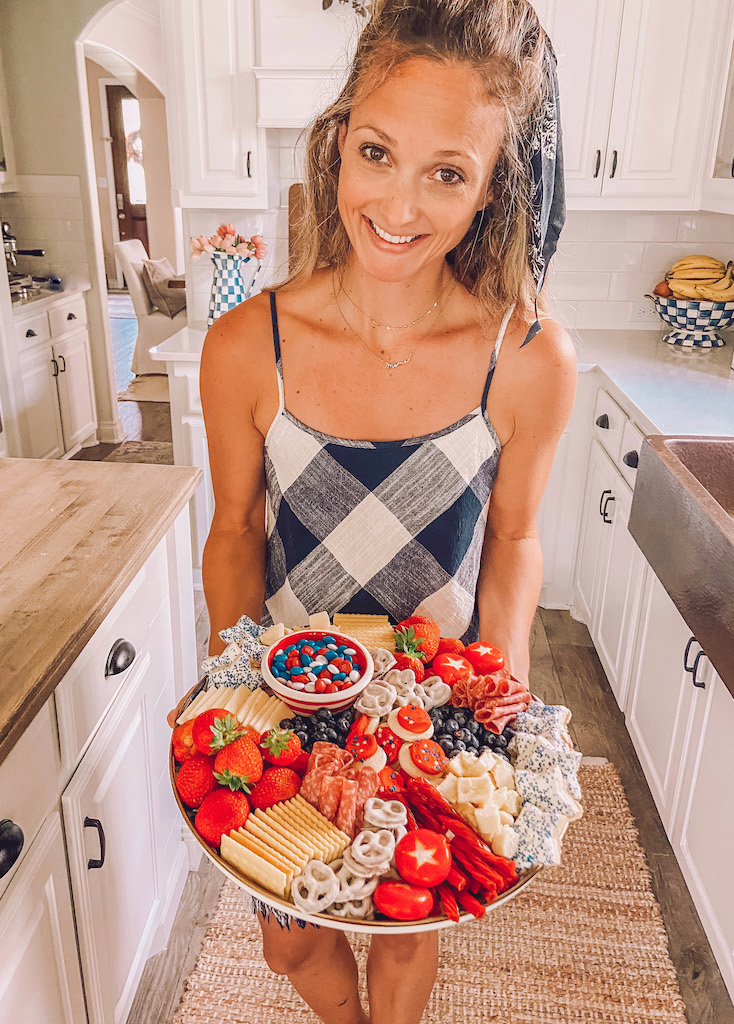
{"x": 7, "y": 161}
{"x": 218, "y": 152}
{"x": 595, "y": 534}
{"x": 39, "y": 970}
{"x": 59, "y": 410}
{"x": 718, "y": 186}
{"x": 703, "y": 830}
{"x": 635, "y": 77}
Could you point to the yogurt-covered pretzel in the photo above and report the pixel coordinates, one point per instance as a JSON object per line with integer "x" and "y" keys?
{"x": 437, "y": 690}
{"x": 363, "y": 870}
{"x": 362, "y": 909}
{"x": 383, "y": 659}
{"x": 373, "y": 848}
{"x": 351, "y": 886}
{"x": 403, "y": 680}
{"x": 385, "y": 813}
{"x": 377, "y": 699}
{"x": 316, "y": 889}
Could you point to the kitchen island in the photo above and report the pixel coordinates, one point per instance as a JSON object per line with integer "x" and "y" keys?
{"x": 97, "y": 643}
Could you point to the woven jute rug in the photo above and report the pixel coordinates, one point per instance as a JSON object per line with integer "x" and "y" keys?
{"x": 155, "y": 453}
{"x": 584, "y": 944}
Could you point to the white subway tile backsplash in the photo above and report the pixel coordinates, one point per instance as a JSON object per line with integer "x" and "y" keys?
{"x": 580, "y": 285}
{"x": 631, "y": 287}
{"x": 611, "y": 315}
{"x": 632, "y": 226}
{"x": 707, "y": 228}
{"x": 659, "y": 257}
{"x": 574, "y": 230}
{"x": 601, "y": 256}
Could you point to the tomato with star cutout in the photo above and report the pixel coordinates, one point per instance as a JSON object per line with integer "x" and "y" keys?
{"x": 485, "y": 658}
{"x": 451, "y": 668}
{"x": 423, "y": 857}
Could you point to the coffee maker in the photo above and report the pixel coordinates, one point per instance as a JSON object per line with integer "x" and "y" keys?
{"x": 21, "y": 285}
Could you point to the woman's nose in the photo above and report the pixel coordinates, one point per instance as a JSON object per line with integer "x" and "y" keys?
{"x": 400, "y": 205}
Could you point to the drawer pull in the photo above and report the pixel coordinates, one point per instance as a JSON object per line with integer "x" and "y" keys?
{"x": 598, "y": 163}
{"x": 631, "y": 459}
{"x": 96, "y": 823}
{"x": 701, "y": 654}
{"x": 614, "y": 164}
{"x": 71, "y": 316}
{"x": 601, "y": 500}
{"x": 604, "y": 510}
{"x": 120, "y": 658}
{"x": 30, "y": 333}
{"x": 11, "y": 843}
{"x": 603, "y": 421}
{"x": 686, "y": 666}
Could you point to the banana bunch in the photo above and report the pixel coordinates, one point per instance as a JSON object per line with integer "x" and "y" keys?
{"x": 702, "y": 277}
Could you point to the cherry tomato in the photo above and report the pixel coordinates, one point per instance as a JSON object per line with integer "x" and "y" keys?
{"x": 451, "y": 667}
{"x": 485, "y": 658}
{"x": 423, "y": 857}
{"x": 403, "y": 902}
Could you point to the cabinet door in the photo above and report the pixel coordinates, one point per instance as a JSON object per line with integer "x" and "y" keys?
{"x": 661, "y": 98}
{"x": 201, "y": 508}
{"x": 39, "y": 966}
{"x": 76, "y": 397}
{"x": 221, "y": 147}
{"x": 41, "y": 411}
{"x": 703, "y": 832}
{"x": 112, "y": 794}
{"x": 585, "y": 36}
{"x": 662, "y": 695}
{"x": 620, "y": 588}
{"x": 601, "y": 481}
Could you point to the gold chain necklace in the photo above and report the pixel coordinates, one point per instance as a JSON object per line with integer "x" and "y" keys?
{"x": 387, "y": 327}
{"x": 401, "y": 362}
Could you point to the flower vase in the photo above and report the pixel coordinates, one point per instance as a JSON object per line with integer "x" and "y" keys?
{"x": 228, "y": 287}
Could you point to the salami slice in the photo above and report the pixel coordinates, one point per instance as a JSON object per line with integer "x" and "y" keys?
{"x": 331, "y": 792}
{"x": 346, "y": 817}
{"x": 311, "y": 785}
{"x": 368, "y": 782}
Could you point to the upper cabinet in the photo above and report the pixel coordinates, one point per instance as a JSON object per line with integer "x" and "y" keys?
{"x": 718, "y": 188}
{"x": 218, "y": 153}
{"x": 7, "y": 163}
{"x": 638, "y": 82}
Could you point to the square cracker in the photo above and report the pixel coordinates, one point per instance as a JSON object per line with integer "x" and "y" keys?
{"x": 279, "y": 829}
{"x": 293, "y": 823}
{"x": 254, "y": 867}
{"x": 282, "y": 847}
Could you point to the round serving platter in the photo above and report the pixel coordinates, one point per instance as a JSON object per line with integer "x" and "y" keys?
{"x": 325, "y": 920}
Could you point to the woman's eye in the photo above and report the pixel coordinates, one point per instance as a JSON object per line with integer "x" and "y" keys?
{"x": 448, "y": 176}
{"x": 374, "y": 154}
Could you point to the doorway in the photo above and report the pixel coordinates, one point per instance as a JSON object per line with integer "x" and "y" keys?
{"x": 128, "y": 163}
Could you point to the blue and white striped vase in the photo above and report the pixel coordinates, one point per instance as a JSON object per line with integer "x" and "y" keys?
{"x": 228, "y": 286}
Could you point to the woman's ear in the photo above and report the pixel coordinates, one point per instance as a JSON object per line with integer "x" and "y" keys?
{"x": 341, "y": 136}
{"x": 487, "y": 200}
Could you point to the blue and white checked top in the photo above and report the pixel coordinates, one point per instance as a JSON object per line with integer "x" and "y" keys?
{"x": 378, "y": 527}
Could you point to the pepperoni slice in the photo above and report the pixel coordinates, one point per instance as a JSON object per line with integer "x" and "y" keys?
{"x": 389, "y": 742}
{"x": 414, "y": 718}
{"x": 428, "y": 756}
{"x": 361, "y": 746}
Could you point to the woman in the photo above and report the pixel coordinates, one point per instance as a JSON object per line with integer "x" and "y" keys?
{"x": 356, "y": 396}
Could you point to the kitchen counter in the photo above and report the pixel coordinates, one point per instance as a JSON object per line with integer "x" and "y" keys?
{"x": 74, "y": 535}
{"x": 675, "y": 392}
{"x": 29, "y": 307}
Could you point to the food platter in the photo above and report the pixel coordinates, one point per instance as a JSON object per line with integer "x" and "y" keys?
{"x": 373, "y": 927}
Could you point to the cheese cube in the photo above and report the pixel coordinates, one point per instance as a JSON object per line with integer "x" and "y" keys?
{"x": 475, "y": 790}
{"x": 503, "y": 774}
{"x": 512, "y": 802}
{"x": 506, "y": 818}
{"x": 468, "y": 813}
{"x": 273, "y": 634}
{"x": 488, "y": 820}
{"x": 505, "y": 842}
{"x": 447, "y": 788}
{"x": 320, "y": 620}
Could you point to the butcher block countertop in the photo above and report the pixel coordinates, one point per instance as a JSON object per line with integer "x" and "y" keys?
{"x": 73, "y": 535}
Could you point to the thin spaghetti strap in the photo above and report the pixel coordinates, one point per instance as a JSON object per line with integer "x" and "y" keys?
{"x": 276, "y": 348}
{"x": 495, "y": 354}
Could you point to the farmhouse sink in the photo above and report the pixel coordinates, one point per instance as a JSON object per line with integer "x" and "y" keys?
{"x": 682, "y": 518}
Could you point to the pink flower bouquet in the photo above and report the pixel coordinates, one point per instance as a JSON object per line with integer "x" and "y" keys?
{"x": 228, "y": 241}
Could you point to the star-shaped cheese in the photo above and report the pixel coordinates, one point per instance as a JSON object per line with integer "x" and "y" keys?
{"x": 423, "y": 855}
{"x": 483, "y": 649}
{"x": 457, "y": 663}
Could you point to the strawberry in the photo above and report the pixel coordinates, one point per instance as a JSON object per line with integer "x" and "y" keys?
{"x": 214, "y": 729}
{"x": 280, "y": 746}
{"x": 448, "y": 645}
{"x": 300, "y": 766}
{"x": 221, "y": 811}
{"x": 183, "y": 742}
{"x": 239, "y": 765}
{"x": 275, "y": 785}
{"x": 403, "y": 661}
{"x": 195, "y": 779}
{"x": 418, "y": 636}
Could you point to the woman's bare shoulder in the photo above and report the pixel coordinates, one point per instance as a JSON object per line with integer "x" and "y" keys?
{"x": 240, "y": 335}
{"x": 545, "y": 373}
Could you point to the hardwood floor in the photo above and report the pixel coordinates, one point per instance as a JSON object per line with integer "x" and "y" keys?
{"x": 564, "y": 669}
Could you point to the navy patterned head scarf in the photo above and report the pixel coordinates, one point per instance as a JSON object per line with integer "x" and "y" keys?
{"x": 542, "y": 149}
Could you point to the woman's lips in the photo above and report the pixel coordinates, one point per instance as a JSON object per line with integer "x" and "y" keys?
{"x": 393, "y": 247}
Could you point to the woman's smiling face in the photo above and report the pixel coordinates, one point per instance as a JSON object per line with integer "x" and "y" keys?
{"x": 416, "y": 160}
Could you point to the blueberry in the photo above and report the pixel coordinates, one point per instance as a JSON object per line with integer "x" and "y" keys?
{"x": 459, "y": 745}
{"x": 446, "y": 744}
{"x": 323, "y": 715}
{"x": 472, "y": 742}
{"x": 451, "y": 725}
{"x": 462, "y": 734}
{"x": 509, "y": 733}
{"x": 501, "y": 741}
{"x": 461, "y": 716}
{"x": 473, "y": 726}
{"x": 302, "y": 735}
{"x": 482, "y": 749}
{"x": 288, "y": 723}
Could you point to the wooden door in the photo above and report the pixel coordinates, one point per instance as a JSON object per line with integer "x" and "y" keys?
{"x": 76, "y": 395}
{"x": 127, "y": 161}
{"x": 41, "y": 409}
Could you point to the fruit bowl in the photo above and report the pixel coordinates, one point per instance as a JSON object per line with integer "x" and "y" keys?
{"x": 695, "y": 321}
{"x": 300, "y": 700}
{"x": 252, "y": 888}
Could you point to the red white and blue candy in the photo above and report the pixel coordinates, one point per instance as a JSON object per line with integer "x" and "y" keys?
{"x": 317, "y": 665}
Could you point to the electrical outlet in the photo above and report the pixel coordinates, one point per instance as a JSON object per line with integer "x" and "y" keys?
{"x": 643, "y": 312}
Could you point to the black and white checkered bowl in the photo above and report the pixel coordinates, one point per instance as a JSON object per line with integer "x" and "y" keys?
{"x": 695, "y": 320}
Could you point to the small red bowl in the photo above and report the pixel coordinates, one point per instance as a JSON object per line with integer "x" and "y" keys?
{"x": 307, "y": 703}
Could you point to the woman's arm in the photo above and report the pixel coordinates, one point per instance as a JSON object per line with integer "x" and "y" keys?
{"x": 512, "y": 561}
{"x": 233, "y": 569}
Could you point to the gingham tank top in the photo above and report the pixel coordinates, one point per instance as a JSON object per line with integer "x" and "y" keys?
{"x": 378, "y": 527}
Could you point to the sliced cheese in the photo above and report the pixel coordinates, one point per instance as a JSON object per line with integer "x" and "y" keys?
{"x": 253, "y": 707}
{"x": 190, "y": 711}
{"x": 275, "y": 842}
{"x": 273, "y": 634}
{"x": 255, "y": 845}
{"x": 254, "y": 867}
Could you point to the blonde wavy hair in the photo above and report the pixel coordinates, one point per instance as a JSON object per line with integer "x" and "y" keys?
{"x": 505, "y": 43}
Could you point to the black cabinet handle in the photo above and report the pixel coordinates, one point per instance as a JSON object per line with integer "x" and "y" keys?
{"x": 71, "y": 316}
{"x": 598, "y": 163}
{"x": 56, "y": 368}
{"x": 96, "y": 823}
{"x": 30, "y": 333}
{"x": 701, "y": 654}
{"x": 11, "y": 843}
{"x": 603, "y": 495}
{"x": 603, "y": 421}
{"x": 121, "y": 656}
{"x": 686, "y": 666}
{"x": 63, "y": 367}
{"x": 631, "y": 459}
{"x": 614, "y": 164}
{"x": 604, "y": 510}
{"x": 732, "y": 168}
{"x": 249, "y": 158}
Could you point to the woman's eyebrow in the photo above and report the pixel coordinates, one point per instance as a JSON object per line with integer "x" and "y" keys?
{"x": 391, "y": 142}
